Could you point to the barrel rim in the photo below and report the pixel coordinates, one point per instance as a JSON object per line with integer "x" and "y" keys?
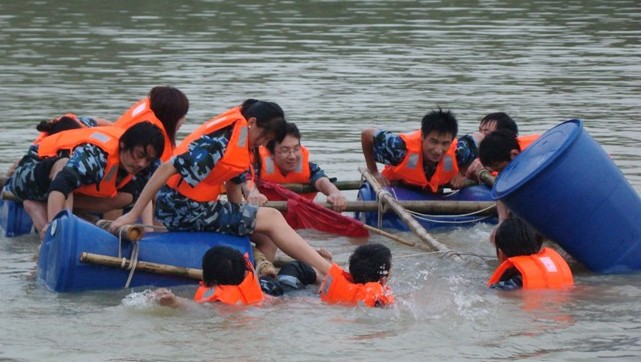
{"x": 570, "y": 139}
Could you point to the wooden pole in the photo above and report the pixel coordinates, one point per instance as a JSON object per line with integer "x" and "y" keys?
{"x": 129, "y": 232}
{"x": 419, "y": 230}
{"x": 145, "y": 266}
{"x": 305, "y": 188}
{"x": 442, "y": 207}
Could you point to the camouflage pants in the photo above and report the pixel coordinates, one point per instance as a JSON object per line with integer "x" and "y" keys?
{"x": 30, "y": 181}
{"x": 179, "y": 213}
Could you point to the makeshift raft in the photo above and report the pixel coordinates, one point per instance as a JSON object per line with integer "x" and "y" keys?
{"x": 468, "y": 206}
{"x": 70, "y": 238}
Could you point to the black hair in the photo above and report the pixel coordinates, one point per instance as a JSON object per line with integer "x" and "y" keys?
{"x": 516, "y": 237}
{"x": 169, "y": 105}
{"x": 497, "y": 147}
{"x": 58, "y": 125}
{"x": 440, "y": 121}
{"x": 269, "y": 116}
{"x": 370, "y": 263}
{"x": 503, "y": 121}
{"x": 143, "y": 134}
{"x": 290, "y": 130}
{"x": 224, "y": 265}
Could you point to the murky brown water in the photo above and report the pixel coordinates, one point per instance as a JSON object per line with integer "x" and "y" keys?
{"x": 335, "y": 67}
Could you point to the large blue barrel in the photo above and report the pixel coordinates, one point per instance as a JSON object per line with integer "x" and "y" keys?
{"x": 567, "y": 187}
{"x": 60, "y": 269}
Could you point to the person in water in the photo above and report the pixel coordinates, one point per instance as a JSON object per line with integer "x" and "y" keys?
{"x": 524, "y": 262}
{"x": 229, "y": 278}
{"x": 429, "y": 158}
{"x": 285, "y": 160}
{"x": 217, "y": 154}
{"x": 365, "y": 283}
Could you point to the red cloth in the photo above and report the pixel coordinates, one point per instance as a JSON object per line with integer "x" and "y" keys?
{"x": 305, "y": 214}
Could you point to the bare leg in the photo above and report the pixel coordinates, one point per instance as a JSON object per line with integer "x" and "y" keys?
{"x": 272, "y": 223}
{"x": 265, "y": 244}
{"x": 38, "y": 212}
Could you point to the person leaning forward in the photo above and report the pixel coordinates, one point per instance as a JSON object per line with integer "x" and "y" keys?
{"x": 429, "y": 158}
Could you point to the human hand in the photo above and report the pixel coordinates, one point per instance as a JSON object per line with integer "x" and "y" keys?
{"x": 474, "y": 169}
{"x": 338, "y": 201}
{"x": 256, "y": 198}
{"x": 165, "y": 298}
{"x": 381, "y": 179}
{"x": 123, "y": 220}
{"x": 458, "y": 181}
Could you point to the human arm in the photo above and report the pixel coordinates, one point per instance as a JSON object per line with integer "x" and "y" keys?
{"x": 157, "y": 180}
{"x": 367, "y": 144}
{"x": 166, "y": 298}
{"x": 334, "y": 196}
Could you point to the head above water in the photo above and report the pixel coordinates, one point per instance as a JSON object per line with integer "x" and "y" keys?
{"x": 438, "y": 130}
{"x": 498, "y": 149}
{"x": 497, "y": 121}
{"x": 170, "y": 106}
{"x": 370, "y": 263}
{"x": 515, "y": 237}
{"x": 224, "y": 265}
{"x": 286, "y": 151}
{"x": 266, "y": 121}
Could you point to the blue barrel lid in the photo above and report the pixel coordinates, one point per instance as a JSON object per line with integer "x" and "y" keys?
{"x": 536, "y": 157}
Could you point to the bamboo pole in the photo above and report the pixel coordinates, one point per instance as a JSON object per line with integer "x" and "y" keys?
{"x": 302, "y": 188}
{"x": 486, "y": 177}
{"x": 129, "y": 232}
{"x": 419, "y": 230}
{"x": 443, "y": 207}
{"x": 145, "y": 266}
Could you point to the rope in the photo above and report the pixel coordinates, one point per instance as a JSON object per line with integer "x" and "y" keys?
{"x": 426, "y": 217}
{"x": 133, "y": 258}
{"x": 380, "y": 206}
{"x": 484, "y": 257}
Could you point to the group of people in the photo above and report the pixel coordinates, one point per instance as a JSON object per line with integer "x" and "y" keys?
{"x": 134, "y": 163}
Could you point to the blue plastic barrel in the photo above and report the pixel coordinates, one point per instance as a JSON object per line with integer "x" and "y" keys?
{"x": 568, "y": 188}
{"x": 14, "y": 219}
{"x": 68, "y": 236}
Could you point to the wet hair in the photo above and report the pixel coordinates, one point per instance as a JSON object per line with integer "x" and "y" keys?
{"x": 269, "y": 116}
{"x": 143, "y": 134}
{"x": 224, "y": 265}
{"x": 503, "y": 121}
{"x": 169, "y": 105}
{"x": 370, "y": 263}
{"x": 58, "y": 125}
{"x": 516, "y": 237}
{"x": 497, "y": 147}
{"x": 440, "y": 121}
{"x": 290, "y": 130}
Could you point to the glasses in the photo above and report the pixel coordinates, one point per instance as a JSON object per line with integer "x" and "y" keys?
{"x": 287, "y": 151}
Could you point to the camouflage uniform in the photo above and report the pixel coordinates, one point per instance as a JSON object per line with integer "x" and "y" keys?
{"x": 86, "y": 166}
{"x": 180, "y": 213}
{"x": 390, "y": 149}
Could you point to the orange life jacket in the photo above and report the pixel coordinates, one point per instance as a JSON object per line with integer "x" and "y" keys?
{"x": 235, "y": 160}
{"x": 107, "y": 138}
{"x": 338, "y": 288}
{"x": 247, "y": 292}
{"x": 269, "y": 171}
{"x": 547, "y": 269}
{"x": 410, "y": 170}
{"x": 42, "y": 135}
{"x": 141, "y": 112}
{"x": 526, "y": 140}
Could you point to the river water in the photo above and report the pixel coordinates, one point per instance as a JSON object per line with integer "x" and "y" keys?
{"x": 335, "y": 67}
